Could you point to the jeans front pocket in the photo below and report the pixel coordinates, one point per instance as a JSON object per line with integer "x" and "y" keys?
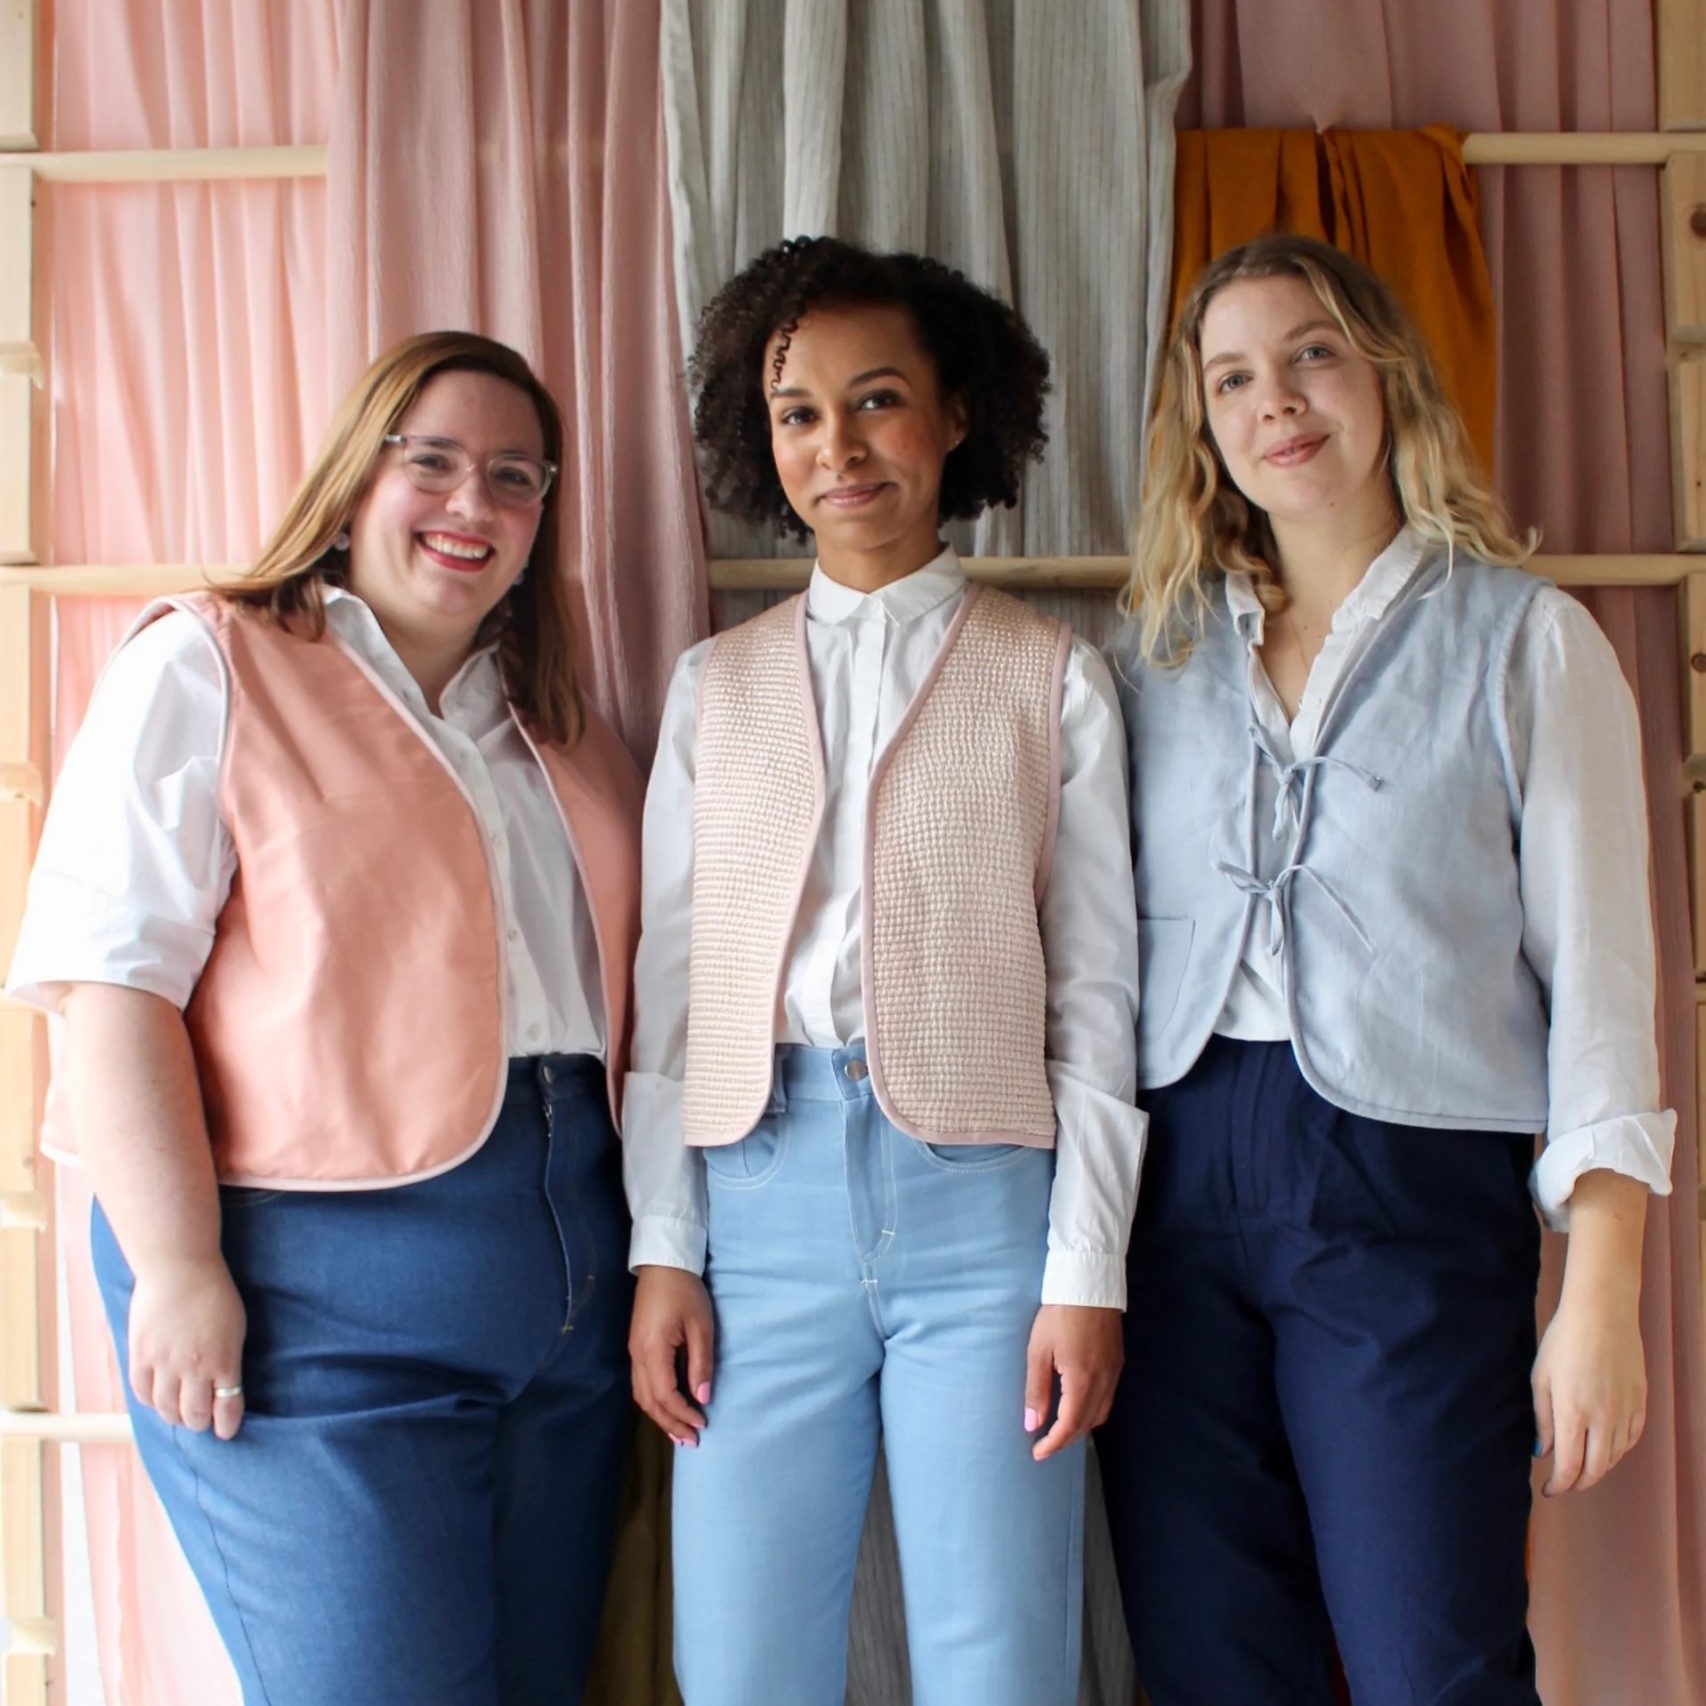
{"x": 753, "y": 1161}
{"x": 975, "y": 1157}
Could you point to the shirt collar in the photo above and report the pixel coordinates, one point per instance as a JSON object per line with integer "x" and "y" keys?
{"x": 1382, "y": 582}
{"x": 357, "y": 626}
{"x": 901, "y": 601}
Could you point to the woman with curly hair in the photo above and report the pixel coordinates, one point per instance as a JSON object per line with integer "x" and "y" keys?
{"x": 883, "y": 1068}
{"x": 1391, "y": 875}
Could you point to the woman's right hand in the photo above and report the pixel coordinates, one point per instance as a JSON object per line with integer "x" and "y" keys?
{"x": 672, "y": 1313}
{"x": 186, "y": 1338}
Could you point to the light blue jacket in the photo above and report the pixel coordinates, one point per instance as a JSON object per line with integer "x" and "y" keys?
{"x": 1394, "y": 901}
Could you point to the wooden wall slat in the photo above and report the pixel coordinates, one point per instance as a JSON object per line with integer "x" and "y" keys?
{"x": 21, "y": 1384}
{"x": 1683, "y": 205}
{"x": 1688, "y": 450}
{"x": 24, "y": 1587}
{"x": 1682, "y": 64}
{"x": 22, "y": 50}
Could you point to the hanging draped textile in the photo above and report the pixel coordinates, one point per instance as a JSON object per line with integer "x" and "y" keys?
{"x": 186, "y": 364}
{"x": 1403, "y": 201}
{"x": 1583, "y": 451}
{"x": 1035, "y": 157}
{"x": 498, "y": 164}
{"x": 202, "y": 334}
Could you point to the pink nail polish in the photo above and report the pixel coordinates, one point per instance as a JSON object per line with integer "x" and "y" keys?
{"x": 1032, "y": 1420}
{"x": 702, "y": 1392}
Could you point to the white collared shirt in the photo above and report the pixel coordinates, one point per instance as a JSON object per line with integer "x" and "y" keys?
{"x": 869, "y": 655}
{"x": 1584, "y": 829}
{"x": 135, "y": 860}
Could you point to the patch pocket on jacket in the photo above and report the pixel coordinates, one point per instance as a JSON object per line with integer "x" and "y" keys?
{"x": 976, "y": 1157}
{"x": 753, "y": 1161}
{"x": 1163, "y": 952}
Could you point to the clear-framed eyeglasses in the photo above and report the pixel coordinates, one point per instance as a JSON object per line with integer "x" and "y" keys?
{"x": 513, "y": 478}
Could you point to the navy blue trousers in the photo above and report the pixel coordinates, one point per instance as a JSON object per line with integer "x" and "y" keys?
{"x": 1324, "y": 1428}
{"x": 420, "y": 1506}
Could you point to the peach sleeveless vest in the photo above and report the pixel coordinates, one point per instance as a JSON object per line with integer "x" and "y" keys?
{"x": 348, "y": 1026}
{"x": 959, "y": 832}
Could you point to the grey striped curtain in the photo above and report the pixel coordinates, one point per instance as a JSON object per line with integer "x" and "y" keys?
{"x": 1027, "y": 142}
{"x": 1030, "y": 144}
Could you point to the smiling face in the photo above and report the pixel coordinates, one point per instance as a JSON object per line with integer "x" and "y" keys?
{"x": 433, "y": 565}
{"x": 859, "y": 431}
{"x": 1294, "y": 410}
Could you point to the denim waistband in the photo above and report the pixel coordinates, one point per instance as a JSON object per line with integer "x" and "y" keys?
{"x": 536, "y": 1075}
{"x": 818, "y": 1075}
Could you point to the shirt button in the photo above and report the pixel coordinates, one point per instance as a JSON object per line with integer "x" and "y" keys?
{"x": 533, "y": 1033}
{"x": 513, "y": 934}
{"x": 857, "y": 1069}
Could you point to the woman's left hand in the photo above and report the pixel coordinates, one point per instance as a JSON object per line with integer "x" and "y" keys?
{"x": 1085, "y": 1348}
{"x": 1590, "y": 1390}
{"x": 1590, "y": 1378}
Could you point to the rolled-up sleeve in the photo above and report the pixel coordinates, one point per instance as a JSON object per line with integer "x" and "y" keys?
{"x": 1587, "y": 918}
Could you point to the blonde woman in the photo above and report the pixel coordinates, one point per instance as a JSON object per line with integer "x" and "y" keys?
{"x": 338, "y": 896}
{"x": 1391, "y": 875}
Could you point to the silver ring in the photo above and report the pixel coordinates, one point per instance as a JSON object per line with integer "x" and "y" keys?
{"x": 228, "y": 1392}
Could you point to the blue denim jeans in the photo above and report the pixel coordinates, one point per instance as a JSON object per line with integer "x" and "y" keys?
{"x": 419, "y": 1507}
{"x": 1323, "y": 1429}
{"x": 869, "y": 1286}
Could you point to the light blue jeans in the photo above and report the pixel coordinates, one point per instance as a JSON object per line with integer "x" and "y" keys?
{"x": 866, "y": 1287}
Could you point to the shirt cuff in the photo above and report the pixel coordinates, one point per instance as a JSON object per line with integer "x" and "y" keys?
{"x": 1639, "y": 1146}
{"x": 1089, "y": 1279}
{"x": 661, "y": 1242}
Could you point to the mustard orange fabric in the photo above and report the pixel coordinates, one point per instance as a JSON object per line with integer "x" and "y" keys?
{"x": 1403, "y": 201}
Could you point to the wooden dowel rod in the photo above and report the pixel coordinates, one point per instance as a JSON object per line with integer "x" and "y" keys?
{"x": 788, "y": 574}
{"x": 1580, "y": 147}
{"x": 203, "y": 165}
{"x": 118, "y": 580}
{"x": 1089, "y": 574}
{"x": 173, "y": 165}
{"x": 85, "y": 1427}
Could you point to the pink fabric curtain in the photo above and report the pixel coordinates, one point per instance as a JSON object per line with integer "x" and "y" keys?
{"x": 493, "y": 165}
{"x": 1583, "y": 452}
{"x": 530, "y": 205}
{"x": 189, "y": 383}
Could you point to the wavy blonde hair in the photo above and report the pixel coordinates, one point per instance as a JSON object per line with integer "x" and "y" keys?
{"x": 1195, "y": 523}
{"x": 532, "y": 627}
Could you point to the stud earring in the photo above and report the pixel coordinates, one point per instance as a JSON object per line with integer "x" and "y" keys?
{"x": 341, "y": 543}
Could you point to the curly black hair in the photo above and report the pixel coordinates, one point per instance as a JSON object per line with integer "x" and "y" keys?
{"x": 984, "y": 354}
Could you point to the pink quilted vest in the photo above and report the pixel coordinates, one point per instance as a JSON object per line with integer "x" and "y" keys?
{"x": 348, "y": 1025}
{"x": 959, "y": 832}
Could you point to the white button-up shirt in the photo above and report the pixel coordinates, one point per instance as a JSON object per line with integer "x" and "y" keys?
{"x": 869, "y": 654}
{"x": 136, "y": 861}
{"x": 1584, "y": 829}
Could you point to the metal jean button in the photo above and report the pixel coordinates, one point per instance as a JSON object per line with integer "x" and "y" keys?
{"x": 856, "y": 1070}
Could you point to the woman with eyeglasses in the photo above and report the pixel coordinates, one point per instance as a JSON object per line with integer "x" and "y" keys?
{"x": 338, "y": 898}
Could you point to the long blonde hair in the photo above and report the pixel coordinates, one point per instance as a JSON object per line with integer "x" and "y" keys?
{"x": 1196, "y": 523}
{"x": 532, "y": 627}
